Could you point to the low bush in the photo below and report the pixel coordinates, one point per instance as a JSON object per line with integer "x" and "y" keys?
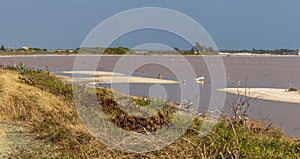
{"x": 291, "y": 89}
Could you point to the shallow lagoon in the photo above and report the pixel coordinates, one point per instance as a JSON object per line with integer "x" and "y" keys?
{"x": 253, "y": 71}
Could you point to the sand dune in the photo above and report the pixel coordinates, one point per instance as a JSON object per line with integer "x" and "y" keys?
{"x": 273, "y": 94}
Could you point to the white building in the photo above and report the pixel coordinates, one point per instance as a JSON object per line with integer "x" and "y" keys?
{"x": 25, "y": 47}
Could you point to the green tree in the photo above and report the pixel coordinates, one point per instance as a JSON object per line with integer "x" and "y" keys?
{"x": 2, "y": 47}
{"x": 176, "y": 49}
{"x": 199, "y": 47}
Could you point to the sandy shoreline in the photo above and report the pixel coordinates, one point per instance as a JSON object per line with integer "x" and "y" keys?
{"x": 272, "y": 94}
{"x": 112, "y": 77}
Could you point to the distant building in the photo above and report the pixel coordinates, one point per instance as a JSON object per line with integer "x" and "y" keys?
{"x": 26, "y": 48}
{"x": 296, "y": 52}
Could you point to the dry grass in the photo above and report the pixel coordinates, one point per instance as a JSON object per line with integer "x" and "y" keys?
{"x": 2, "y": 132}
{"x": 49, "y": 117}
{"x": 19, "y": 101}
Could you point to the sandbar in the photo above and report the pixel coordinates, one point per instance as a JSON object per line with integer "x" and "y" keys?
{"x": 272, "y": 94}
{"x": 112, "y": 77}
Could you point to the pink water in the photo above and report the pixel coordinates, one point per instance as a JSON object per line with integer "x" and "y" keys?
{"x": 273, "y": 72}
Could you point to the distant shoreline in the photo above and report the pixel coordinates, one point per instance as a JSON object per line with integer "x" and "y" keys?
{"x": 220, "y": 55}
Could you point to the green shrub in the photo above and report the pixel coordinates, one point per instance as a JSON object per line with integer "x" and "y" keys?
{"x": 291, "y": 89}
{"x": 43, "y": 80}
{"x": 142, "y": 101}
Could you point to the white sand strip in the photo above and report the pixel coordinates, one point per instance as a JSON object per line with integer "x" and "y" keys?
{"x": 94, "y": 73}
{"x": 273, "y": 94}
{"x": 112, "y": 77}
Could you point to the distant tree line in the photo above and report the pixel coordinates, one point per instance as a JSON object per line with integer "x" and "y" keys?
{"x": 92, "y": 50}
{"x": 262, "y": 51}
{"x": 198, "y": 49}
{"x": 3, "y": 49}
{"x": 37, "y": 49}
{"x": 119, "y": 50}
{"x": 98, "y": 50}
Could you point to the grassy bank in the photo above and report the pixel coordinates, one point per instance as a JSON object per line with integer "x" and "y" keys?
{"x": 43, "y": 104}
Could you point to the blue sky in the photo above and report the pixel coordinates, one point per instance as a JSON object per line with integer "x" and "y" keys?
{"x": 233, "y": 24}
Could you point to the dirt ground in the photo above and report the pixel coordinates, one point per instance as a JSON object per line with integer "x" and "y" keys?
{"x": 12, "y": 137}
